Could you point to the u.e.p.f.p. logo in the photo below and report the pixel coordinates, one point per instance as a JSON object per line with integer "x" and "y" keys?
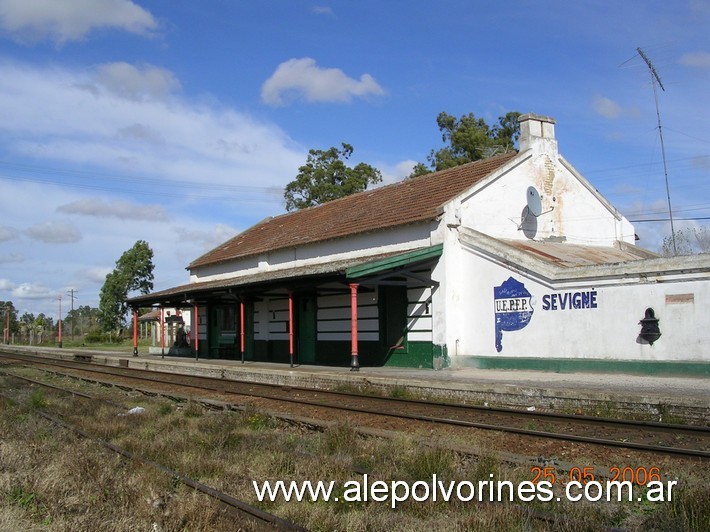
{"x": 513, "y": 308}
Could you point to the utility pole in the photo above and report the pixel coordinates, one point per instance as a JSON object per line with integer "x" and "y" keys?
{"x": 71, "y": 293}
{"x": 655, "y": 78}
{"x": 7, "y": 326}
{"x": 60, "y": 321}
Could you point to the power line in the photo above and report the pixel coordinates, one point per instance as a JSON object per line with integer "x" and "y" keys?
{"x": 666, "y": 219}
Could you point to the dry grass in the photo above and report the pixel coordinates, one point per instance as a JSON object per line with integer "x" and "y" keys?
{"x": 52, "y": 480}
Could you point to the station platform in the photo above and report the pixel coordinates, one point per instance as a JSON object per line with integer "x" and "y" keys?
{"x": 672, "y": 398}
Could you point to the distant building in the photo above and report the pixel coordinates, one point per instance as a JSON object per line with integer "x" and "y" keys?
{"x": 515, "y": 261}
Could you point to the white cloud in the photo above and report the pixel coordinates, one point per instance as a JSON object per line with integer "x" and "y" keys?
{"x": 8, "y": 233}
{"x": 31, "y": 291}
{"x": 302, "y": 78}
{"x": 54, "y": 233}
{"x": 115, "y": 209}
{"x": 397, "y": 172}
{"x": 206, "y": 240}
{"x": 80, "y": 117}
{"x": 607, "y": 108}
{"x": 696, "y": 60}
{"x": 136, "y": 82}
{"x": 322, "y": 10}
{"x": 612, "y": 110}
{"x": 70, "y": 20}
{"x": 95, "y": 274}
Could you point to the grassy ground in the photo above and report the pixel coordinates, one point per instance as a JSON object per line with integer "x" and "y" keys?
{"x": 53, "y": 480}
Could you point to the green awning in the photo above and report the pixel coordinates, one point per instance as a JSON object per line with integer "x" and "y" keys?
{"x": 392, "y": 263}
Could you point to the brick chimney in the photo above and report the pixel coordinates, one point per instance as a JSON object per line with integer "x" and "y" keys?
{"x": 537, "y": 132}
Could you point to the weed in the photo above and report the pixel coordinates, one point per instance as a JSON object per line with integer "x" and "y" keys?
{"x": 256, "y": 420}
{"x": 400, "y": 392}
{"x": 339, "y": 439}
{"x": 425, "y": 462}
{"x": 607, "y": 409}
{"x": 192, "y": 409}
{"x": 20, "y": 497}
{"x": 37, "y": 399}
{"x": 666, "y": 415}
{"x": 165, "y": 409}
{"x": 486, "y": 466}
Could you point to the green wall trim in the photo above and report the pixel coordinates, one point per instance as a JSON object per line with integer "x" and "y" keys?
{"x": 593, "y": 365}
{"x": 403, "y": 259}
{"x": 417, "y": 355}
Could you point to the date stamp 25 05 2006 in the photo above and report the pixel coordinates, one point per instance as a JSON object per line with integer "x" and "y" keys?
{"x": 639, "y": 475}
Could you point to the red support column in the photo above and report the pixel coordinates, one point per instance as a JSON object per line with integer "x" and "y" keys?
{"x": 162, "y": 332}
{"x": 241, "y": 329}
{"x": 354, "y": 362}
{"x": 135, "y": 332}
{"x": 290, "y": 326}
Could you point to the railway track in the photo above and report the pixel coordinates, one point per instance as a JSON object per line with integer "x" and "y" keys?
{"x": 238, "y": 506}
{"x": 668, "y": 439}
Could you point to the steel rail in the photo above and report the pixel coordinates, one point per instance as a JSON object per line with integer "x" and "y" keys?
{"x": 693, "y": 453}
{"x": 548, "y": 517}
{"x": 574, "y": 418}
{"x": 203, "y": 488}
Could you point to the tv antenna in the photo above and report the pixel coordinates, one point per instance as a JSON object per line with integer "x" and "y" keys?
{"x": 655, "y": 78}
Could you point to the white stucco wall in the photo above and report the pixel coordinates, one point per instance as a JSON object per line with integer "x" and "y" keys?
{"x": 571, "y": 210}
{"x": 401, "y": 238}
{"x": 607, "y": 329}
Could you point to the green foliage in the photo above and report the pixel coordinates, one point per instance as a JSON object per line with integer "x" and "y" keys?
{"x": 37, "y": 399}
{"x": 8, "y": 308}
{"x": 98, "y": 337}
{"x": 133, "y": 272}
{"x": 470, "y": 139}
{"x": 401, "y": 392}
{"x": 326, "y": 177}
{"x": 20, "y": 497}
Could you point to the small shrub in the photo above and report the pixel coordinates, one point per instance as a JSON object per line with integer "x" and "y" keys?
{"x": 97, "y": 337}
{"x": 192, "y": 409}
{"x": 400, "y": 392}
{"x": 37, "y": 399}
{"x": 255, "y": 420}
{"x": 428, "y": 461}
{"x": 339, "y": 439}
{"x": 20, "y": 497}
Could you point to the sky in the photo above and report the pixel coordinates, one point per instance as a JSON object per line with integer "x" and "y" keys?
{"x": 180, "y": 122}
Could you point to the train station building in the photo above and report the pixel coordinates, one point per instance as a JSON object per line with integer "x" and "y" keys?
{"x": 515, "y": 261}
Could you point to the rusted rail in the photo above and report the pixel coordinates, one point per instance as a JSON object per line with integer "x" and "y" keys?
{"x": 232, "y": 502}
{"x": 374, "y": 405}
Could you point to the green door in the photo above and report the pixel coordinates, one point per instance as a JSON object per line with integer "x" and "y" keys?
{"x": 306, "y": 329}
{"x": 393, "y": 319}
{"x": 248, "y": 330}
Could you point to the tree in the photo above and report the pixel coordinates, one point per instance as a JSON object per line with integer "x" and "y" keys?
{"x": 43, "y": 324}
{"x": 82, "y": 319}
{"x": 326, "y": 177}
{"x": 133, "y": 272}
{"x": 27, "y": 321}
{"x": 690, "y": 241}
{"x": 470, "y": 139}
{"x": 7, "y": 308}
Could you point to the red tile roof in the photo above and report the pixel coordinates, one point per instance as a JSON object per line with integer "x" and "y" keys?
{"x": 405, "y": 202}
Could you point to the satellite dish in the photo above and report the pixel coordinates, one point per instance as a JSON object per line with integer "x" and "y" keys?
{"x": 534, "y": 202}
